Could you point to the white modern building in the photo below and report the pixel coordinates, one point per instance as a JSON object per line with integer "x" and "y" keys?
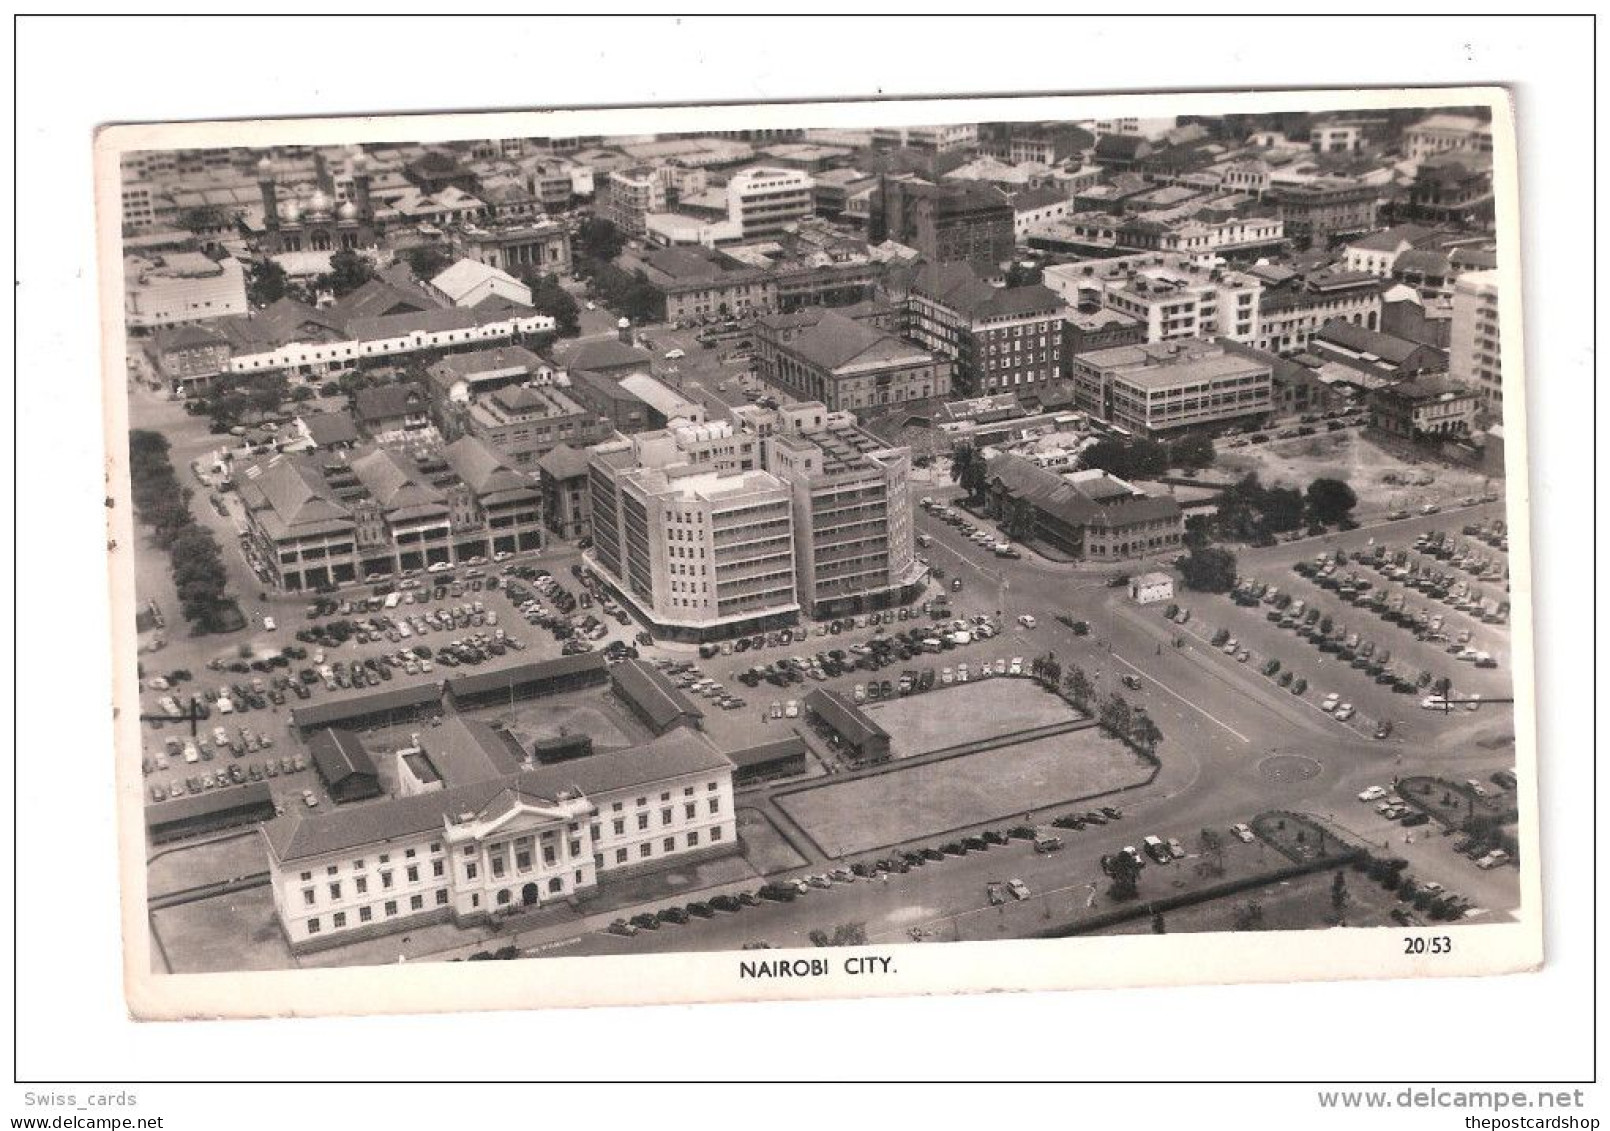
{"x": 701, "y": 552}
{"x": 764, "y": 201}
{"x": 1474, "y": 345}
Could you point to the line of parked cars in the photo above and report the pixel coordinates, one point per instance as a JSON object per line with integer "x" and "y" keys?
{"x": 235, "y": 773}
{"x": 984, "y": 539}
{"x": 690, "y": 679}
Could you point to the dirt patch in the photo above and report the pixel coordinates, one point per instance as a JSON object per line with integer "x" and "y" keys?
{"x": 1381, "y": 476}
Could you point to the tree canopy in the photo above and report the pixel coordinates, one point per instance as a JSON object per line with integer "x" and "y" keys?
{"x": 1331, "y": 501}
{"x": 348, "y": 272}
{"x": 1209, "y": 569}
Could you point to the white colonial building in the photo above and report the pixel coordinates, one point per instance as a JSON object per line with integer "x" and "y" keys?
{"x": 499, "y": 834}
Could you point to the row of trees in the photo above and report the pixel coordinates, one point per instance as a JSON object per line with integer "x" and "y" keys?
{"x": 1143, "y": 458}
{"x": 1248, "y": 511}
{"x": 1113, "y": 714}
{"x": 164, "y": 504}
{"x": 242, "y": 398}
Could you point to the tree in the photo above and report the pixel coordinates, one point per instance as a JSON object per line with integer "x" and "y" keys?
{"x": 845, "y": 934}
{"x": 967, "y": 469}
{"x": 266, "y": 282}
{"x": 348, "y": 272}
{"x": 1198, "y": 531}
{"x": 1021, "y": 274}
{"x": 1282, "y": 509}
{"x": 548, "y": 297}
{"x": 1249, "y": 916}
{"x": 1210, "y": 569}
{"x": 1080, "y": 689}
{"x": 428, "y": 261}
{"x": 596, "y": 238}
{"x": 1126, "y": 458}
{"x": 1212, "y": 849}
{"x": 1338, "y": 893}
{"x": 1125, "y": 877}
{"x": 1193, "y": 453}
{"x": 1146, "y": 733}
{"x": 1020, "y": 519}
{"x": 1116, "y": 716}
{"x": 1330, "y": 500}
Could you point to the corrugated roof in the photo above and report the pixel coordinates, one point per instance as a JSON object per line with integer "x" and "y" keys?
{"x": 357, "y": 706}
{"x": 655, "y": 695}
{"x": 252, "y": 795}
{"x": 843, "y": 716}
{"x": 340, "y": 754}
{"x": 536, "y": 671}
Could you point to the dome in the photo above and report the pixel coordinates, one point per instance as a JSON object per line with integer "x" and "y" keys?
{"x": 347, "y": 211}
{"x": 624, "y": 324}
{"x": 357, "y": 160}
{"x": 318, "y": 204}
{"x": 265, "y": 167}
{"x": 291, "y": 210}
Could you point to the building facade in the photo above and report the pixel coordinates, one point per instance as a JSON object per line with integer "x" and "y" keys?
{"x": 950, "y": 223}
{"x": 853, "y": 532}
{"x": 1162, "y": 388}
{"x": 314, "y": 521}
{"x": 1083, "y": 514}
{"x": 1474, "y": 341}
{"x": 543, "y": 245}
{"x": 495, "y": 835}
{"x": 1425, "y": 408}
{"x": 846, "y": 363}
{"x": 701, "y": 553}
{"x": 181, "y": 288}
{"x": 764, "y": 201}
{"x": 999, "y": 338}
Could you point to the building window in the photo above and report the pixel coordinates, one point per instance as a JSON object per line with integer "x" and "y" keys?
{"x": 715, "y": 833}
{"x": 362, "y": 884}
{"x": 556, "y": 885}
{"x": 642, "y": 821}
{"x": 335, "y": 891}
{"x": 313, "y": 926}
{"x": 670, "y": 844}
{"x": 413, "y": 873}
{"x": 308, "y": 897}
{"x": 645, "y": 850}
{"x": 470, "y": 871}
{"x": 665, "y": 816}
{"x": 620, "y": 856}
{"x": 548, "y": 856}
{"x": 385, "y": 879}
{"x": 437, "y": 868}
{"x": 441, "y": 897}
{"x": 417, "y": 903}
{"x": 332, "y": 869}
{"x": 340, "y": 920}
{"x": 309, "y": 875}
{"x": 715, "y": 805}
{"x": 365, "y": 914}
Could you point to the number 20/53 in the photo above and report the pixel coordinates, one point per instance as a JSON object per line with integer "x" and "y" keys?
{"x": 1436, "y": 944}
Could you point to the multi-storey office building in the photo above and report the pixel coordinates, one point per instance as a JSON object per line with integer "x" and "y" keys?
{"x": 764, "y": 201}
{"x": 1000, "y": 338}
{"x": 853, "y": 534}
{"x": 1294, "y": 308}
{"x": 1326, "y": 207}
{"x": 1474, "y": 340}
{"x": 1161, "y": 388}
{"x": 700, "y": 553}
{"x": 481, "y": 830}
{"x": 631, "y": 195}
{"x": 325, "y": 519}
{"x": 968, "y": 222}
{"x": 1171, "y": 296}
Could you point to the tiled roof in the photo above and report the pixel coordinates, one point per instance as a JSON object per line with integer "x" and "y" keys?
{"x": 1359, "y": 339}
{"x": 486, "y": 472}
{"x": 564, "y": 462}
{"x": 394, "y": 483}
{"x": 387, "y": 402}
{"x": 326, "y": 429}
{"x": 602, "y": 354}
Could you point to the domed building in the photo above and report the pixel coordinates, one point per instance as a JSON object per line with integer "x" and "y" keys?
{"x": 317, "y": 223}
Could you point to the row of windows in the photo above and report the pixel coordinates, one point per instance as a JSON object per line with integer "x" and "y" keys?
{"x": 366, "y": 914}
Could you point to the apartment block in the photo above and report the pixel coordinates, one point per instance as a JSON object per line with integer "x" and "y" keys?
{"x": 1000, "y": 338}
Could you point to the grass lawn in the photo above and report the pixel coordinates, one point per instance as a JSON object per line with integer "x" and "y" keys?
{"x": 764, "y": 848}
{"x": 1301, "y": 904}
{"x": 925, "y": 801}
{"x": 967, "y": 712}
{"x": 229, "y": 932}
{"x": 176, "y": 868}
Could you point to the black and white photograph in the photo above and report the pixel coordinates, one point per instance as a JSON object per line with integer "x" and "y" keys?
{"x": 789, "y": 538}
